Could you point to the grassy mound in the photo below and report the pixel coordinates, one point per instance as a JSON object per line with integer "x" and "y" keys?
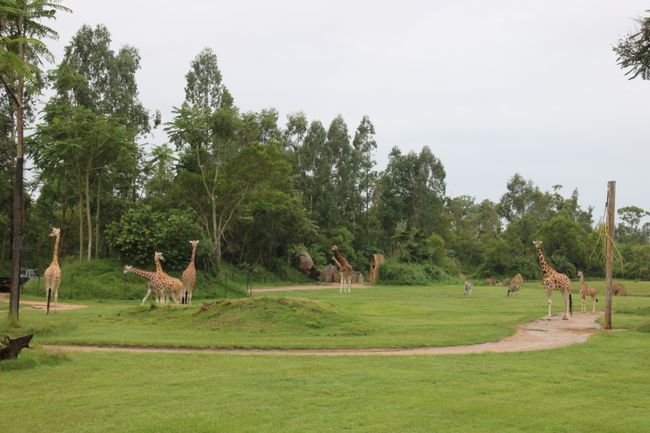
{"x": 260, "y": 315}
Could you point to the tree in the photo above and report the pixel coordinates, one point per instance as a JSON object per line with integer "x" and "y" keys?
{"x": 411, "y": 194}
{"x": 634, "y": 51}
{"x": 630, "y": 229}
{"x": 21, "y": 51}
{"x": 208, "y": 130}
{"x": 90, "y": 130}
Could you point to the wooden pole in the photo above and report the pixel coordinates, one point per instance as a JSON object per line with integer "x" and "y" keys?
{"x": 609, "y": 250}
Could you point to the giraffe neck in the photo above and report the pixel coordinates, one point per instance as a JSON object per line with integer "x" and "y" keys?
{"x": 193, "y": 256}
{"x": 546, "y": 268}
{"x": 158, "y": 265}
{"x": 344, "y": 263}
{"x": 55, "y": 254}
{"x": 142, "y": 273}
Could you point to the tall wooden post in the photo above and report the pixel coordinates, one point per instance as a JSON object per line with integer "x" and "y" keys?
{"x": 609, "y": 250}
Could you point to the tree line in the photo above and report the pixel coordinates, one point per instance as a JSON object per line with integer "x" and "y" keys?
{"x": 256, "y": 189}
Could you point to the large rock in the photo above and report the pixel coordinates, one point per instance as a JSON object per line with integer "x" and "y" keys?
{"x": 305, "y": 264}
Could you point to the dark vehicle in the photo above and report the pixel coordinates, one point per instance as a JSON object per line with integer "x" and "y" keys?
{"x": 5, "y": 283}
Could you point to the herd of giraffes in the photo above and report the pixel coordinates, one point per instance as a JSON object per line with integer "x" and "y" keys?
{"x": 166, "y": 288}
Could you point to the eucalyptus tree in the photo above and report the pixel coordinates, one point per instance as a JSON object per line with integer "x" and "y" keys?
{"x": 410, "y": 196}
{"x": 22, "y": 49}
{"x": 364, "y": 177}
{"x": 91, "y": 128}
{"x": 205, "y": 129}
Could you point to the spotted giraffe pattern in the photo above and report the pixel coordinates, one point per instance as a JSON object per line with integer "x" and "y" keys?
{"x": 189, "y": 276}
{"x": 585, "y": 291}
{"x": 345, "y": 268}
{"x": 553, "y": 280}
{"x": 172, "y": 287}
{"x": 52, "y": 274}
{"x": 153, "y": 285}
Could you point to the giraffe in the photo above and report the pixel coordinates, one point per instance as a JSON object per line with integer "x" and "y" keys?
{"x": 189, "y": 277}
{"x": 585, "y": 291}
{"x": 345, "y": 268}
{"x": 167, "y": 282}
{"x": 554, "y": 280}
{"x": 52, "y": 274}
{"x": 153, "y": 285}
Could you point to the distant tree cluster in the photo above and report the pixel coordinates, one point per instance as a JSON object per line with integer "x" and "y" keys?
{"x": 256, "y": 189}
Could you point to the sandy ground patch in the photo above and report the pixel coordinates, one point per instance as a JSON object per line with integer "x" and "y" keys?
{"x": 41, "y": 305}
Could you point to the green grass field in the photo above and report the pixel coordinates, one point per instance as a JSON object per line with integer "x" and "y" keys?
{"x": 599, "y": 386}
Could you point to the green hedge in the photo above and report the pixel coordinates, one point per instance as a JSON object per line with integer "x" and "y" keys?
{"x": 411, "y": 274}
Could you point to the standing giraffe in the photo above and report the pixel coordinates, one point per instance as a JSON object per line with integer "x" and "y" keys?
{"x": 585, "y": 291}
{"x": 52, "y": 274}
{"x": 172, "y": 287}
{"x": 345, "y": 268}
{"x": 189, "y": 277}
{"x": 553, "y": 280}
{"x": 153, "y": 285}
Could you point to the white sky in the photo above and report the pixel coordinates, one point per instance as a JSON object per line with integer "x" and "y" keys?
{"x": 492, "y": 87}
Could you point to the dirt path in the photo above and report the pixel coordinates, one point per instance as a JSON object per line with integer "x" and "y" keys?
{"x": 537, "y": 335}
{"x": 306, "y": 287}
{"x": 41, "y": 305}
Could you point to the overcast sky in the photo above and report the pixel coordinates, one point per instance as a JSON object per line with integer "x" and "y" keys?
{"x": 493, "y": 88}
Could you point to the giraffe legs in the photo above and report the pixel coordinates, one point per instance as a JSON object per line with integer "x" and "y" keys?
{"x": 549, "y": 301}
{"x": 146, "y": 296}
{"x": 593, "y": 305}
{"x": 566, "y": 305}
{"x": 56, "y": 298}
{"x": 583, "y": 305}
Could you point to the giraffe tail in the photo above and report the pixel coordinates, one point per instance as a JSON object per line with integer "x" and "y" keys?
{"x": 570, "y": 305}
{"x": 49, "y": 298}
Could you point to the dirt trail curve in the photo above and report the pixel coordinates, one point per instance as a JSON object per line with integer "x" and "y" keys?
{"x": 537, "y": 335}
{"x": 41, "y": 305}
{"x": 306, "y": 287}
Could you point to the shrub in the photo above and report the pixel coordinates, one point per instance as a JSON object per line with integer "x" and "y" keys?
{"x": 393, "y": 272}
{"x": 141, "y": 231}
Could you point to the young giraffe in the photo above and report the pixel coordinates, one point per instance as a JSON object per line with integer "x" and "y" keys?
{"x": 189, "y": 277}
{"x": 52, "y": 274}
{"x": 554, "y": 280}
{"x": 345, "y": 268}
{"x": 167, "y": 282}
{"x": 585, "y": 291}
{"x": 153, "y": 285}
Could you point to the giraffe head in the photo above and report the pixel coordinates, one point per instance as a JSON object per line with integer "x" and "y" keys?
{"x": 158, "y": 256}
{"x": 538, "y": 244}
{"x": 55, "y": 232}
{"x": 334, "y": 248}
{"x": 127, "y": 268}
{"x": 193, "y": 243}
{"x": 580, "y": 274}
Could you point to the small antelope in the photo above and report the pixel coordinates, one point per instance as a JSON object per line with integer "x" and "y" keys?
{"x": 468, "y": 288}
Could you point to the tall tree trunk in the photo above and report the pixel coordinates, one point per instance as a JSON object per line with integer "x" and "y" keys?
{"x": 97, "y": 207}
{"x": 81, "y": 225}
{"x": 89, "y": 221}
{"x": 17, "y": 208}
{"x": 216, "y": 235}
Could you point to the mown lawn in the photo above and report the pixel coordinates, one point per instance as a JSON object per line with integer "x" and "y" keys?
{"x": 599, "y": 386}
{"x": 374, "y": 317}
